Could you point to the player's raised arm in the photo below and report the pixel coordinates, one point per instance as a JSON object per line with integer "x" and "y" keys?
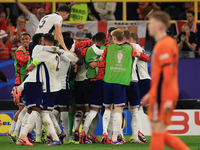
{"x": 60, "y": 37}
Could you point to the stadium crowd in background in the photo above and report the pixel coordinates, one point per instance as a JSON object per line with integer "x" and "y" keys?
{"x": 33, "y": 12}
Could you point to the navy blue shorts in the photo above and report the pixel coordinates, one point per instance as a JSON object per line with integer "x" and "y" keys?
{"x": 133, "y": 94}
{"x": 82, "y": 92}
{"x": 63, "y": 99}
{"x": 96, "y": 99}
{"x": 34, "y": 94}
{"x": 48, "y": 100}
{"x": 144, "y": 87}
{"x": 114, "y": 93}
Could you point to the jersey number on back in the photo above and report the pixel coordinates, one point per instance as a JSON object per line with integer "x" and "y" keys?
{"x": 57, "y": 59}
{"x": 43, "y": 22}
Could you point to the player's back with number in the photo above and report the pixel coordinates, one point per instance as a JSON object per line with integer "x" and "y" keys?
{"x": 48, "y": 22}
{"x": 50, "y": 71}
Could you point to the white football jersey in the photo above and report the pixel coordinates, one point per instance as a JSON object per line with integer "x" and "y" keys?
{"x": 35, "y": 75}
{"x": 142, "y": 66}
{"x": 50, "y": 66}
{"x": 47, "y": 23}
{"x": 65, "y": 58}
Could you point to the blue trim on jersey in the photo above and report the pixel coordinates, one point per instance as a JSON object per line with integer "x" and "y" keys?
{"x": 67, "y": 81}
{"x": 137, "y": 73}
{"x": 126, "y": 43}
{"x": 51, "y": 30}
{"x": 37, "y": 74}
{"x": 47, "y": 77}
{"x": 30, "y": 49}
{"x": 159, "y": 89}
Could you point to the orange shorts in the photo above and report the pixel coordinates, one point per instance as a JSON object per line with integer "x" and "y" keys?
{"x": 157, "y": 114}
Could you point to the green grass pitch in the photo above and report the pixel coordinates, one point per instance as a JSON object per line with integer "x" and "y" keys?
{"x": 5, "y": 144}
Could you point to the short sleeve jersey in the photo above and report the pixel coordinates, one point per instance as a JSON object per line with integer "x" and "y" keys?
{"x": 48, "y": 22}
{"x": 50, "y": 71}
{"x": 165, "y": 53}
{"x": 192, "y": 39}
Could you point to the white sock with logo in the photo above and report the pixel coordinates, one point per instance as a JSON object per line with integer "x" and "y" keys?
{"x": 134, "y": 123}
{"x": 88, "y": 120}
{"x": 106, "y": 120}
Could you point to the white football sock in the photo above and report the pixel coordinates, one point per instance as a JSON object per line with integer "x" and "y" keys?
{"x": 106, "y": 120}
{"x": 88, "y": 120}
{"x": 30, "y": 123}
{"x": 139, "y": 123}
{"x": 110, "y": 125}
{"x": 94, "y": 124}
{"x": 57, "y": 115}
{"x": 24, "y": 120}
{"x": 85, "y": 116}
{"x": 77, "y": 119}
{"x": 49, "y": 125}
{"x": 65, "y": 123}
{"x": 121, "y": 131}
{"x": 38, "y": 127}
{"x": 19, "y": 120}
{"x": 134, "y": 123}
{"x": 117, "y": 123}
{"x": 55, "y": 123}
{"x": 12, "y": 128}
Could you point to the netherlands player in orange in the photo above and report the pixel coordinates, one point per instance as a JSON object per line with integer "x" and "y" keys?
{"x": 163, "y": 94}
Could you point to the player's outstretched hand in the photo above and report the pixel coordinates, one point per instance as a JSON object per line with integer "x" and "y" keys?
{"x": 168, "y": 106}
{"x": 144, "y": 100}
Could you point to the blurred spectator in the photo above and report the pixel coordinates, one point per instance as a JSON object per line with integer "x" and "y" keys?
{"x": 12, "y": 8}
{"x": 190, "y": 18}
{"x": 187, "y": 42}
{"x": 189, "y": 6}
{"x": 146, "y": 8}
{"x": 106, "y": 10}
{"x": 3, "y": 77}
{"x": 16, "y": 34}
{"x": 173, "y": 9}
{"x": 83, "y": 11}
{"x": 3, "y": 15}
{"x": 33, "y": 19}
{"x": 3, "y": 24}
{"x": 4, "y": 47}
{"x": 11, "y": 22}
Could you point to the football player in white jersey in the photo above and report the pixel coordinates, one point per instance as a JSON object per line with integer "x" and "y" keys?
{"x": 133, "y": 93}
{"x": 143, "y": 80}
{"x": 62, "y": 102}
{"x": 43, "y": 94}
{"x": 54, "y": 21}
